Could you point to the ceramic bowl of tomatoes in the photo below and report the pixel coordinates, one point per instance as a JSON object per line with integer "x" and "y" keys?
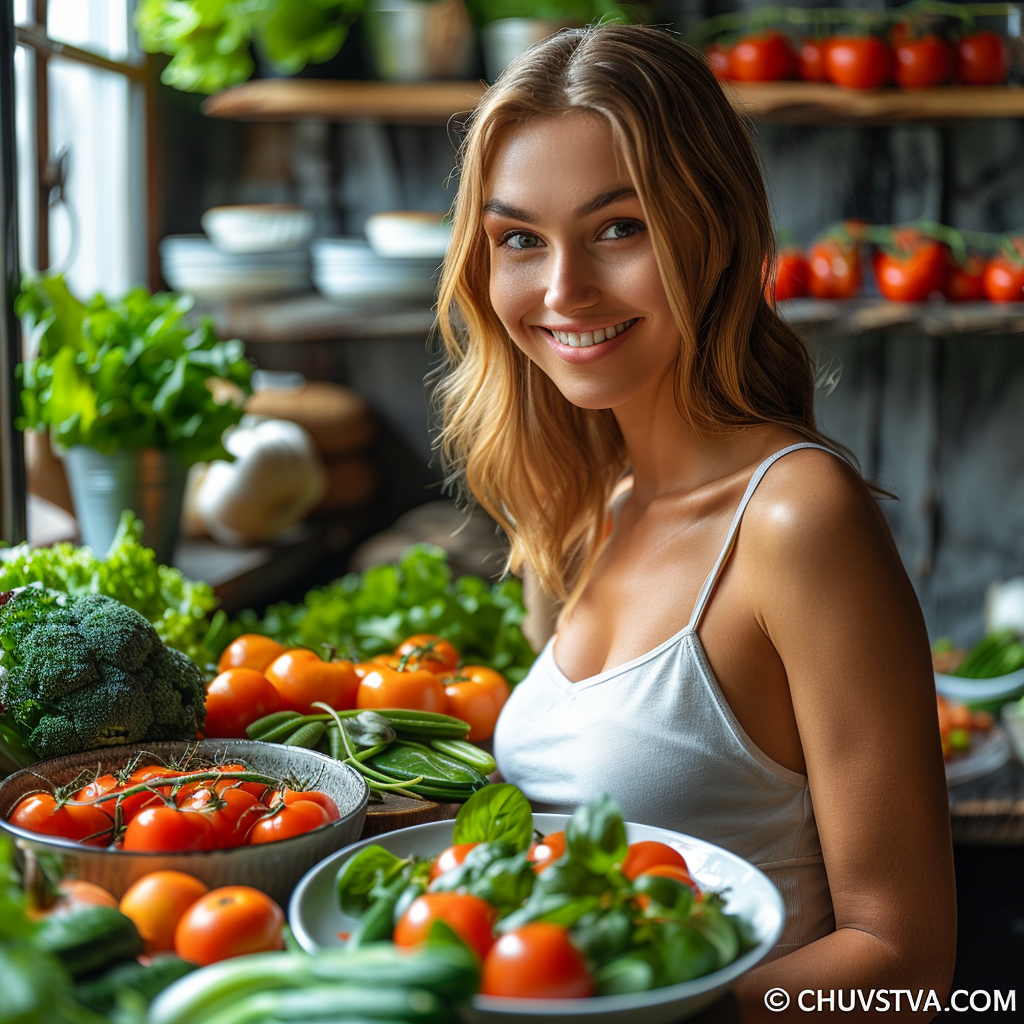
{"x": 273, "y": 867}
{"x": 318, "y": 923}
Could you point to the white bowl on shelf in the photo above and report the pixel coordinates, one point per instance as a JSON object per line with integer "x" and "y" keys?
{"x": 978, "y": 692}
{"x": 258, "y": 227}
{"x": 346, "y": 270}
{"x": 408, "y": 233}
{"x": 316, "y": 919}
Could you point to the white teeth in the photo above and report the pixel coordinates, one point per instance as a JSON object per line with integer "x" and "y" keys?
{"x": 589, "y": 338}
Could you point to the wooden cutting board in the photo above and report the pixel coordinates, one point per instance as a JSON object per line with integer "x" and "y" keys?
{"x": 401, "y": 812}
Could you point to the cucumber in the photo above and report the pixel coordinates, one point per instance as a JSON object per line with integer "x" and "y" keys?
{"x": 100, "y": 993}
{"x": 333, "y": 1002}
{"x": 87, "y": 939}
{"x": 463, "y": 750}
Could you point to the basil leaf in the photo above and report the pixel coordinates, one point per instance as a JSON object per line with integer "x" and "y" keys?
{"x": 671, "y": 896}
{"x": 554, "y": 908}
{"x": 595, "y": 836}
{"x": 405, "y": 760}
{"x": 360, "y": 874}
{"x": 499, "y": 812}
{"x": 623, "y": 976}
{"x": 714, "y": 926}
{"x": 684, "y": 953}
{"x": 603, "y": 935}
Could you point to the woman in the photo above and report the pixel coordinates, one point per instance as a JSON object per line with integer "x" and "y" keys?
{"x": 740, "y": 654}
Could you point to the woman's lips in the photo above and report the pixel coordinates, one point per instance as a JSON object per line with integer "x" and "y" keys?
{"x": 590, "y": 353}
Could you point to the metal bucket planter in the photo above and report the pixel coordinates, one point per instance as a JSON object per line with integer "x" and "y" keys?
{"x": 148, "y": 481}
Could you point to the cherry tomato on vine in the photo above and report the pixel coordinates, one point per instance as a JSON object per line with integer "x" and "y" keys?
{"x": 257, "y": 789}
{"x": 385, "y": 687}
{"x": 293, "y": 819}
{"x": 762, "y": 58}
{"x": 41, "y": 813}
{"x": 251, "y": 650}
{"x": 156, "y": 903}
{"x": 966, "y": 283}
{"x": 168, "y": 829}
{"x": 833, "y": 269}
{"x": 470, "y": 917}
{"x": 301, "y": 678}
{"x": 642, "y": 856}
{"x": 914, "y": 268}
{"x": 718, "y": 58}
{"x": 859, "y": 62}
{"x": 292, "y": 796}
{"x": 228, "y": 922}
{"x": 811, "y": 60}
{"x": 107, "y": 789}
{"x": 425, "y": 650}
{"x": 537, "y": 961}
{"x": 923, "y": 62}
{"x": 545, "y": 853}
{"x": 450, "y": 858}
{"x": 476, "y": 694}
{"x": 235, "y": 699}
{"x": 1004, "y": 277}
{"x": 232, "y": 813}
{"x": 982, "y": 58}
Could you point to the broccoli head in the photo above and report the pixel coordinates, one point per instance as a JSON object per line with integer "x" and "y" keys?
{"x": 78, "y": 673}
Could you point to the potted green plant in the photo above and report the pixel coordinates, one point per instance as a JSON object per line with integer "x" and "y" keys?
{"x": 510, "y": 27}
{"x": 124, "y": 389}
{"x": 211, "y": 41}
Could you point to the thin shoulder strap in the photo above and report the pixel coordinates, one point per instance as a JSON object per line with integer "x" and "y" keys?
{"x": 712, "y": 578}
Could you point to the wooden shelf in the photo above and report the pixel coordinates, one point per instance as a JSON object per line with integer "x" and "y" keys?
{"x": 940, "y": 319}
{"x": 284, "y": 99}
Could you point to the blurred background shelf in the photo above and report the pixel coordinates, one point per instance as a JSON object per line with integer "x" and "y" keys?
{"x": 776, "y": 102}
{"x": 850, "y": 317}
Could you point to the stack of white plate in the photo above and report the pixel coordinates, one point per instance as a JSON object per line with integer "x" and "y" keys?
{"x": 349, "y": 272}
{"x": 193, "y": 264}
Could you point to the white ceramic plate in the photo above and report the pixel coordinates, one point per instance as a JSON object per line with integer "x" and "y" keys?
{"x": 316, "y": 920}
{"x": 980, "y": 691}
{"x": 989, "y": 750}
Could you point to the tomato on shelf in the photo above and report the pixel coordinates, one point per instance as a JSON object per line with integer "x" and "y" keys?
{"x": 718, "y": 58}
{"x": 768, "y": 57}
{"x": 791, "y": 272}
{"x": 834, "y": 268}
{"x": 235, "y": 699}
{"x": 811, "y": 60}
{"x": 966, "y": 282}
{"x": 385, "y": 687}
{"x": 923, "y": 62}
{"x": 859, "y": 62}
{"x": 1004, "y": 275}
{"x": 301, "y": 678}
{"x": 912, "y": 268}
{"x": 476, "y": 694}
{"x": 982, "y": 58}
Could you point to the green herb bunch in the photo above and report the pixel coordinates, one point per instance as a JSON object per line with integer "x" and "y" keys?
{"x": 127, "y": 374}
{"x": 581, "y": 11}
{"x": 209, "y": 40}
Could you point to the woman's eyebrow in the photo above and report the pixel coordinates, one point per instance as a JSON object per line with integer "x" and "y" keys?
{"x": 496, "y": 206}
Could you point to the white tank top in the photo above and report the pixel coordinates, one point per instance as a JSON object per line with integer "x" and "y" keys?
{"x": 658, "y": 735}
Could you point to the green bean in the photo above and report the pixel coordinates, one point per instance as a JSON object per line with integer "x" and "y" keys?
{"x": 307, "y": 736}
{"x": 268, "y": 723}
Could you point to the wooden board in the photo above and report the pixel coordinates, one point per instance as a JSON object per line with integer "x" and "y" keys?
{"x": 401, "y": 812}
{"x": 283, "y": 99}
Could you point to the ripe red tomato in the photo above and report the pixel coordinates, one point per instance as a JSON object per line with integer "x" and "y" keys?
{"x": 301, "y": 678}
{"x": 251, "y": 650}
{"x": 166, "y": 829}
{"x": 476, "y": 694}
{"x": 292, "y": 796}
{"x": 40, "y": 813}
{"x": 232, "y": 813}
{"x": 859, "y": 62}
{"x": 109, "y": 789}
{"x": 762, "y": 58}
{"x": 719, "y": 58}
{"x": 537, "y": 961}
{"x": 642, "y": 856}
{"x": 228, "y": 922}
{"x": 791, "y": 273}
{"x": 811, "y": 60}
{"x": 236, "y": 699}
{"x": 911, "y": 271}
{"x": 982, "y": 58}
{"x": 384, "y": 687}
{"x": 966, "y": 283}
{"x": 294, "y": 819}
{"x": 425, "y": 650}
{"x": 680, "y": 874}
{"x": 546, "y": 853}
{"x": 834, "y": 269}
{"x": 156, "y": 903}
{"x": 258, "y": 789}
{"x": 923, "y": 62}
{"x": 450, "y": 858}
{"x": 470, "y": 917}
{"x": 1004, "y": 279}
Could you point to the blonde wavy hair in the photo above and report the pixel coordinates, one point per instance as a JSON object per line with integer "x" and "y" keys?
{"x": 542, "y": 467}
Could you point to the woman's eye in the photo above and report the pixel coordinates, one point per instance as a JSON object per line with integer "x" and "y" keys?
{"x": 519, "y": 240}
{"x": 622, "y": 229}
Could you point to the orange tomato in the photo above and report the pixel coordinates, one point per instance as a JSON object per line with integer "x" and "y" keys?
{"x": 250, "y": 650}
{"x": 546, "y": 853}
{"x": 301, "y": 678}
{"x": 292, "y": 796}
{"x": 450, "y": 858}
{"x": 680, "y": 874}
{"x": 236, "y": 699}
{"x": 476, "y": 694}
{"x": 157, "y": 902}
{"x": 386, "y": 688}
{"x": 641, "y": 857}
{"x": 228, "y": 922}
{"x": 294, "y": 819}
{"x": 425, "y": 650}
{"x": 470, "y": 917}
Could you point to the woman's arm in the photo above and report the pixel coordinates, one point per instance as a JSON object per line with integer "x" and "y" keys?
{"x": 838, "y": 607}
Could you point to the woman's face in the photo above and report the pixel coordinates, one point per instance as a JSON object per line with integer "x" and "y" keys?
{"x": 572, "y": 275}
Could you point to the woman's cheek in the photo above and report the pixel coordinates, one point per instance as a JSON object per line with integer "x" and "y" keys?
{"x": 513, "y": 296}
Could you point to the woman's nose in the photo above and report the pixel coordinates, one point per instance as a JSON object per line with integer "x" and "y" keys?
{"x": 572, "y": 284}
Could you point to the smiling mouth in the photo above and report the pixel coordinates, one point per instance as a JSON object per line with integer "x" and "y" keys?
{"x": 589, "y": 338}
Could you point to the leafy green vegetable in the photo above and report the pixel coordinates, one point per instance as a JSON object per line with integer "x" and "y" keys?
{"x": 595, "y": 836}
{"x": 127, "y": 374}
{"x": 179, "y": 608}
{"x": 499, "y": 813}
{"x": 360, "y": 874}
{"x": 372, "y": 612}
{"x": 581, "y": 11}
